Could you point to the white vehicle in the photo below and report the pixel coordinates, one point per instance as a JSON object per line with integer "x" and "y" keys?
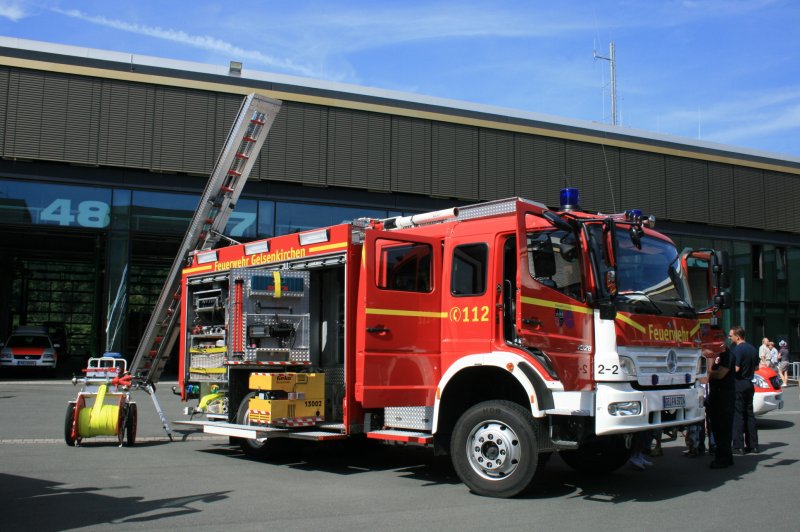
{"x": 31, "y": 347}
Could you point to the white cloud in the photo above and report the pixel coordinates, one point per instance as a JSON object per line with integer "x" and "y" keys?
{"x": 204, "y": 42}
{"x": 350, "y": 30}
{"x": 12, "y": 11}
{"x": 743, "y": 118}
{"x": 786, "y": 119}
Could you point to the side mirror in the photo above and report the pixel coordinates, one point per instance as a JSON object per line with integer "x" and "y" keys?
{"x": 610, "y": 242}
{"x": 720, "y": 269}
{"x": 57, "y": 346}
{"x": 723, "y": 300}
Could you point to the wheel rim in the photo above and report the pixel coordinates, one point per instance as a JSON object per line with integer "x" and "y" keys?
{"x": 493, "y": 450}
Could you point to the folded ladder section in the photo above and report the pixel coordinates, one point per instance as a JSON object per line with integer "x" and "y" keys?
{"x": 219, "y": 198}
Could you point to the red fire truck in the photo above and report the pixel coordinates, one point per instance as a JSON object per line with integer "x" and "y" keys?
{"x": 498, "y": 333}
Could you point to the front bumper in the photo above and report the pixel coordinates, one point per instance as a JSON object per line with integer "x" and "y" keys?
{"x": 658, "y": 408}
{"x": 764, "y": 402}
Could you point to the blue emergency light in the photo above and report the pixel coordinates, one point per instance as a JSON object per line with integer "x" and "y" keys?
{"x": 569, "y": 198}
{"x": 633, "y": 215}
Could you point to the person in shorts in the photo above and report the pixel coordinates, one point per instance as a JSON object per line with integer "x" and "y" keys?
{"x": 783, "y": 362}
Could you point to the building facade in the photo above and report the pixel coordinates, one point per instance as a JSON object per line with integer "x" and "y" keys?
{"x": 104, "y": 156}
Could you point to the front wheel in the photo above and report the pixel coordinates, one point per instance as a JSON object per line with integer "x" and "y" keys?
{"x": 493, "y": 449}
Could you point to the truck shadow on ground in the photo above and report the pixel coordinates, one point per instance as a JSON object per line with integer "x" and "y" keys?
{"x": 69, "y": 507}
{"x": 671, "y": 475}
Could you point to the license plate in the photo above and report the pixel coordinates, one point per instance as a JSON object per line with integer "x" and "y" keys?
{"x": 674, "y": 401}
{"x": 26, "y": 363}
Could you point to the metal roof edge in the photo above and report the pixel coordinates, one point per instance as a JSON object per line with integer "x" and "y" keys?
{"x": 120, "y": 61}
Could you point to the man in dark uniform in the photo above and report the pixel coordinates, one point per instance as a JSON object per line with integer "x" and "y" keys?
{"x": 721, "y": 397}
{"x": 745, "y": 356}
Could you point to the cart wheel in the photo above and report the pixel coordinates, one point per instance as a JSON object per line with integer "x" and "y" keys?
{"x": 69, "y": 425}
{"x": 130, "y": 425}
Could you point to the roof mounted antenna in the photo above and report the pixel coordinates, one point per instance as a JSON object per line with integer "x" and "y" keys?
{"x": 613, "y": 63}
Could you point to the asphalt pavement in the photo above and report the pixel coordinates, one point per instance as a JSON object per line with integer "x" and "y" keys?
{"x": 201, "y": 482}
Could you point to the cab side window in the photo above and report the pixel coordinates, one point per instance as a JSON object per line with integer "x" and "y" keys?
{"x": 553, "y": 261}
{"x": 469, "y": 270}
{"x": 404, "y": 267}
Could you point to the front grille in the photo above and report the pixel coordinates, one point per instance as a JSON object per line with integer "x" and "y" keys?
{"x": 656, "y": 362}
{"x": 27, "y": 357}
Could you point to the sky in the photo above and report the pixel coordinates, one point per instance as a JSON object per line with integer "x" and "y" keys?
{"x": 725, "y": 71}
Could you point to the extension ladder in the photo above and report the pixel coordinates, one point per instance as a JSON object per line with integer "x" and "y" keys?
{"x": 219, "y": 198}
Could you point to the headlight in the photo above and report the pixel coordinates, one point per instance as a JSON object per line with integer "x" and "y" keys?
{"x": 628, "y": 366}
{"x": 760, "y": 382}
{"x": 627, "y": 408}
{"x": 6, "y": 354}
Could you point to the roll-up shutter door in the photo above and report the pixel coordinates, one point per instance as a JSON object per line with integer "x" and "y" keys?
{"x": 454, "y": 161}
{"x": 411, "y": 155}
{"x": 687, "y": 189}
{"x": 643, "y": 182}
{"x": 720, "y": 194}
{"x": 748, "y": 198}
{"x": 594, "y": 170}
{"x": 496, "y": 164}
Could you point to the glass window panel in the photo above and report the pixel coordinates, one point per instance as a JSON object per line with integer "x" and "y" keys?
{"x": 242, "y": 222}
{"x": 294, "y": 217}
{"x": 403, "y": 267}
{"x": 121, "y": 209}
{"x": 266, "y": 219}
{"x": 49, "y": 204}
{"x": 469, "y": 270}
{"x": 162, "y": 212}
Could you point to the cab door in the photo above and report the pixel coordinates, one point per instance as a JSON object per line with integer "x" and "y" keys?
{"x": 399, "y": 356}
{"x": 551, "y": 314}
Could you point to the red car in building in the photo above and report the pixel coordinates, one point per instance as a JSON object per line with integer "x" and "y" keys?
{"x": 30, "y": 347}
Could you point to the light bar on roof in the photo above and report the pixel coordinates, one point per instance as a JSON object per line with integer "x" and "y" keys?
{"x": 256, "y": 247}
{"x": 314, "y": 237}
{"x": 205, "y": 258}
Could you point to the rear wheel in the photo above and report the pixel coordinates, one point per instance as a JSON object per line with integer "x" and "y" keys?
{"x": 69, "y": 425}
{"x": 131, "y": 421}
{"x": 599, "y": 455}
{"x": 493, "y": 448}
{"x": 257, "y": 448}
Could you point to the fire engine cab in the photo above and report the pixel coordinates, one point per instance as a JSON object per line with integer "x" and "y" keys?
{"x": 498, "y": 333}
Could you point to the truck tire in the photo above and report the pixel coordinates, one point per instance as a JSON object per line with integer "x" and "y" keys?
{"x": 69, "y": 421}
{"x": 263, "y": 449}
{"x": 494, "y": 450}
{"x": 598, "y": 455}
{"x": 131, "y": 421}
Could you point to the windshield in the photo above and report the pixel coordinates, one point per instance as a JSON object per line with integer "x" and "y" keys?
{"x": 649, "y": 277}
{"x": 28, "y": 341}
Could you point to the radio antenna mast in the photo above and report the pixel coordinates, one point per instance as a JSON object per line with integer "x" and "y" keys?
{"x": 613, "y": 62}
